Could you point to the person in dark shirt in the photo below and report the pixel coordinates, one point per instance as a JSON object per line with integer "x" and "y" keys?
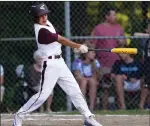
{"x": 127, "y": 73}
{"x": 145, "y": 45}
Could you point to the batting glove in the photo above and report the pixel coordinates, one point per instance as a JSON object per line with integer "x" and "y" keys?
{"x": 82, "y": 49}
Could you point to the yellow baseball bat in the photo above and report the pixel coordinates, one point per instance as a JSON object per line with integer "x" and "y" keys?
{"x": 118, "y": 50}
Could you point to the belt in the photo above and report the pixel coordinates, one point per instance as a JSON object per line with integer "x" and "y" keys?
{"x": 54, "y": 57}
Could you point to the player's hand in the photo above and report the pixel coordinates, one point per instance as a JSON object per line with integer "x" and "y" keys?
{"x": 82, "y": 49}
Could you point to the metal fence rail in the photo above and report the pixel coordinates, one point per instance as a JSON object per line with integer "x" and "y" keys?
{"x": 81, "y": 38}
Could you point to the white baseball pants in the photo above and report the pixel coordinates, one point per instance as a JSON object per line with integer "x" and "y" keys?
{"x": 56, "y": 71}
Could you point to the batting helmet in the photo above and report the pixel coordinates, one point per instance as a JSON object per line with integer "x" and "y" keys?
{"x": 38, "y": 9}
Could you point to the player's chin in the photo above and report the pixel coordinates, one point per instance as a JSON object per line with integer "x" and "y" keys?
{"x": 43, "y": 23}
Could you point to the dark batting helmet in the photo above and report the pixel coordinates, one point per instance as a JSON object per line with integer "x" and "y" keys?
{"x": 38, "y": 9}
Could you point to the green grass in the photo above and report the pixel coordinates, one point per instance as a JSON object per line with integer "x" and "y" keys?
{"x": 115, "y": 112}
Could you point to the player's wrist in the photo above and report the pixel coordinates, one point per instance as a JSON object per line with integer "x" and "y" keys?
{"x": 79, "y": 45}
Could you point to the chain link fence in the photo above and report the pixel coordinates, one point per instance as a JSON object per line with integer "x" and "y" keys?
{"x": 17, "y": 43}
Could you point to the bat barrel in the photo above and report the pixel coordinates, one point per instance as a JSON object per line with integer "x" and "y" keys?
{"x": 125, "y": 50}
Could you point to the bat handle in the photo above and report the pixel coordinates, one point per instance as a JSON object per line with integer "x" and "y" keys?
{"x": 90, "y": 49}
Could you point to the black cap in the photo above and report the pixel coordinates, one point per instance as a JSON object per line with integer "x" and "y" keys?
{"x": 38, "y": 9}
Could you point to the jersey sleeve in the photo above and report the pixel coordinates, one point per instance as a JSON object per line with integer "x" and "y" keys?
{"x": 139, "y": 72}
{"x": 116, "y": 68}
{"x": 47, "y": 37}
{"x": 97, "y": 63}
{"x": 142, "y": 42}
{"x": 76, "y": 65}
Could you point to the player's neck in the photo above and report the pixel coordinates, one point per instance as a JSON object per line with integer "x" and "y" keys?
{"x": 129, "y": 60}
{"x": 87, "y": 61}
{"x": 107, "y": 23}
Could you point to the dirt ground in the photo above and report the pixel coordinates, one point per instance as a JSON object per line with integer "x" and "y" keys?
{"x": 77, "y": 120}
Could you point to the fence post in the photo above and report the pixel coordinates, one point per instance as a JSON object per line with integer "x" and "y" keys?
{"x": 67, "y": 49}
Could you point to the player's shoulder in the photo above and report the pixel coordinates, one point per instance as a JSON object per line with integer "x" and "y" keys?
{"x": 96, "y": 61}
{"x": 77, "y": 61}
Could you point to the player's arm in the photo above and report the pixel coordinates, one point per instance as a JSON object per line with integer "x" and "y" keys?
{"x": 67, "y": 42}
{"x": 47, "y": 37}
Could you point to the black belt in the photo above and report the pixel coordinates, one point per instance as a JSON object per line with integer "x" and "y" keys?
{"x": 55, "y": 57}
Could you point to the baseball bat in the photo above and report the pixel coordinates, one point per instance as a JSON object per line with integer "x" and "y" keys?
{"x": 118, "y": 50}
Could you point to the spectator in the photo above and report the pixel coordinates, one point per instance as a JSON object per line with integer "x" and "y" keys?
{"x": 33, "y": 78}
{"x": 86, "y": 72}
{"x": 110, "y": 27}
{"x": 127, "y": 73}
{"x": 1, "y": 82}
{"x": 145, "y": 44}
{"x": 21, "y": 87}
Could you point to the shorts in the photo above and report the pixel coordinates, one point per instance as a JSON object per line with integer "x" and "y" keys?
{"x": 129, "y": 86}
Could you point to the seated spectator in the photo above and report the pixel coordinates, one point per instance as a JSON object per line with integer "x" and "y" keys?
{"x": 33, "y": 78}
{"x": 1, "y": 82}
{"x": 145, "y": 44}
{"x": 86, "y": 71}
{"x": 106, "y": 85}
{"x": 21, "y": 87}
{"x": 127, "y": 73}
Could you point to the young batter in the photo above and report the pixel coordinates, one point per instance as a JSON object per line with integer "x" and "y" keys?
{"x": 54, "y": 68}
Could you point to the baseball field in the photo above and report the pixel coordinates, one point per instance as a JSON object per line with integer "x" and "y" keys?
{"x": 112, "y": 118}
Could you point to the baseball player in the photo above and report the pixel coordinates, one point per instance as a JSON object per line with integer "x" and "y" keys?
{"x": 54, "y": 69}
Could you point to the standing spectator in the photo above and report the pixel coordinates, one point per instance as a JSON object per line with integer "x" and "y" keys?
{"x": 86, "y": 72}
{"x": 34, "y": 76}
{"x": 110, "y": 27}
{"x": 145, "y": 44}
{"x": 127, "y": 73}
{"x": 1, "y": 82}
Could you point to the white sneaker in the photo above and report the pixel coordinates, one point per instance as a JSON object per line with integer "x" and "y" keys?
{"x": 91, "y": 122}
{"x": 17, "y": 121}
